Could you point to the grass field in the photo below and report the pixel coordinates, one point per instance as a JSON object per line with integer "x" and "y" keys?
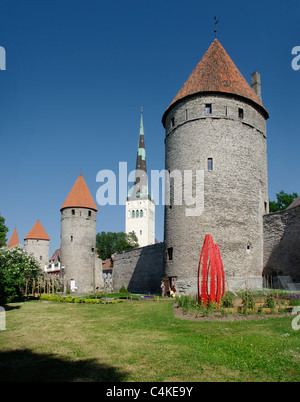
{"x": 141, "y": 342}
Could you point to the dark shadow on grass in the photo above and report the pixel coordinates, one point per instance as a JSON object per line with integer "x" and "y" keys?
{"x": 26, "y": 366}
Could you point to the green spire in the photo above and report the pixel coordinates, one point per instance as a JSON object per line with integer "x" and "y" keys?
{"x": 141, "y": 180}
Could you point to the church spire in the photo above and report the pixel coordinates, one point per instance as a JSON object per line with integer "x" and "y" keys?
{"x": 141, "y": 180}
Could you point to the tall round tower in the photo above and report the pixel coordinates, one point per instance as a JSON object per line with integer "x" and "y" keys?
{"x": 78, "y": 240}
{"x": 216, "y": 125}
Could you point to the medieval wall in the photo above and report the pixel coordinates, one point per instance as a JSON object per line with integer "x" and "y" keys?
{"x": 139, "y": 270}
{"x": 282, "y": 248}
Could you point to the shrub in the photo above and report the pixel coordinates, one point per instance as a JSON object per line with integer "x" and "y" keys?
{"x": 124, "y": 290}
{"x": 227, "y": 299}
{"x": 295, "y": 300}
{"x": 247, "y": 300}
{"x": 16, "y": 267}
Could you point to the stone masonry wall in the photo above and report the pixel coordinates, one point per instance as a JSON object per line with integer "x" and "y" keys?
{"x": 139, "y": 270}
{"x": 235, "y": 190}
{"x": 282, "y": 246}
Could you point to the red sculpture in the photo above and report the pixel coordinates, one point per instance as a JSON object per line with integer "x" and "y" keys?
{"x": 212, "y": 286}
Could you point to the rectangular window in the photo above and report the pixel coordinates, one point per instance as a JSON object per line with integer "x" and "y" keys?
{"x": 73, "y": 211}
{"x": 90, "y": 213}
{"x": 71, "y": 238}
{"x": 170, "y": 254}
{"x": 210, "y": 164}
{"x": 141, "y": 232}
{"x": 186, "y": 114}
{"x": 208, "y": 108}
{"x": 241, "y": 113}
{"x": 173, "y": 122}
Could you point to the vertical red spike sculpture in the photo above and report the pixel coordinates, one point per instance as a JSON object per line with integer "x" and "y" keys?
{"x": 211, "y": 277}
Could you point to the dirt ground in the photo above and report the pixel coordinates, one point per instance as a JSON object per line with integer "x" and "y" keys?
{"x": 182, "y": 314}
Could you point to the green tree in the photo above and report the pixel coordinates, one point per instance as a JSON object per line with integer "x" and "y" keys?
{"x": 112, "y": 242}
{"x": 16, "y": 266}
{"x": 282, "y": 202}
{"x": 3, "y": 231}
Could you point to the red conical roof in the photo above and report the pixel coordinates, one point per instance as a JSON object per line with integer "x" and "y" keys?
{"x": 79, "y": 196}
{"x": 216, "y": 72}
{"x": 37, "y": 232}
{"x": 14, "y": 241}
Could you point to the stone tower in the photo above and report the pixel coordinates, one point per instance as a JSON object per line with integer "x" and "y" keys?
{"x": 140, "y": 208}
{"x": 217, "y": 125}
{"x": 82, "y": 268}
{"x": 37, "y": 243}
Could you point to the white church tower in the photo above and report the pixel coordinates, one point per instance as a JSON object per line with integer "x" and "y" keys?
{"x": 140, "y": 208}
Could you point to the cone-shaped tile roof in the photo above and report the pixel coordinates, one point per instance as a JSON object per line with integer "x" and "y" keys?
{"x": 14, "y": 240}
{"x": 216, "y": 72}
{"x": 37, "y": 232}
{"x": 80, "y": 196}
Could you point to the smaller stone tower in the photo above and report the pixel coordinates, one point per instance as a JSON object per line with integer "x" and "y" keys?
{"x": 37, "y": 243}
{"x": 140, "y": 208}
{"x": 82, "y": 267}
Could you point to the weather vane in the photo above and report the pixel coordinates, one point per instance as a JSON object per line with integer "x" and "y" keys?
{"x": 215, "y": 30}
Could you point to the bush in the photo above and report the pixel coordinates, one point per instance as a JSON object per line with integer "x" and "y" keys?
{"x": 295, "y": 300}
{"x": 124, "y": 290}
{"x": 227, "y": 300}
{"x": 247, "y": 300}
{"x": 16, "y": 267}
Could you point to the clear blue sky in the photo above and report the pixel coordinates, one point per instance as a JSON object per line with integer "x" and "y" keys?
{"x": 78, "y": 73}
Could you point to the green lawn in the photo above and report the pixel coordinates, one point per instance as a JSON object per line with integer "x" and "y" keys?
{"x": 141, "y": 341}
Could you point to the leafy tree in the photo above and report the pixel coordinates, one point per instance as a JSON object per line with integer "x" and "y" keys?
{"x": 3, "y": 231}
{"x": 112, "y": 242}
{"x": 16, "y": 266}
{"x": 283, "y": 201}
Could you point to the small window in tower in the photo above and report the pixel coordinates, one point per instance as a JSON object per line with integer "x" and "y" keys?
{"x": 208, "y": 108}
{"x": 137, "y": 213}
{"x": 71, "y": 238}
{"x": 141, "y": 232}
{"x": 141, "y": 213}
{"x": 170, "y": 254}
{"x": 210, "y": 164}
{"x": 226, "y": 111}
{"x": 186, "y": 114}
{"x": 173, "y": 122}
{"x": 266, "y": 206}
{"x": 73, "y": 211}
{"x": 41, "y": 258}
{"x": 92, "y": 250}
{"x": 133, "y": 214}
{"x": 90, "y": 213}
{"x": 241, "y": 113}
